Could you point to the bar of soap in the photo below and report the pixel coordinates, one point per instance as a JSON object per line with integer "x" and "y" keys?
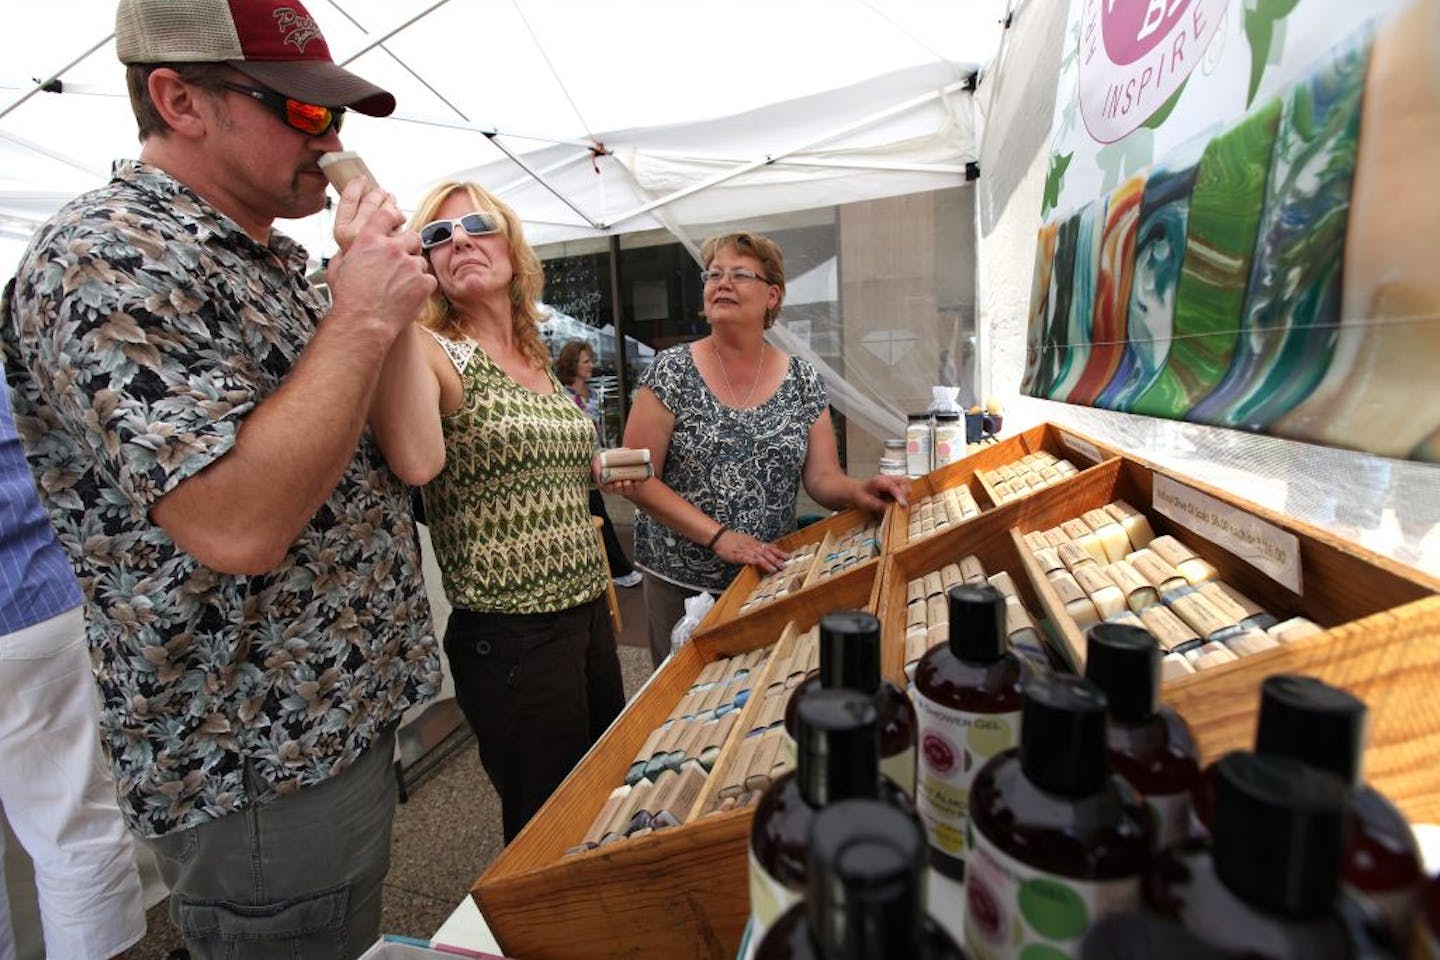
{"x": 1213, "y": 655}
{"x": 1073, "y": 556}
{"x": 1172, "y": 632}
{"x": 1112, "y": 537}
{"x": 624, "y": 456}
{"x": 1251, "y": 641}
{"x": 1162, "y": 576}
{"x": 971, "y": 569}
{"x": 1138, "y": 591}
{"x": 641, "y": 471}
{"x": 1173, "y": 665}
{"x": 1133, "y": 522}
{"x": 950, "y": 575}
{"x": 1296, "y": 628}
{"x": 1049, "y": 560}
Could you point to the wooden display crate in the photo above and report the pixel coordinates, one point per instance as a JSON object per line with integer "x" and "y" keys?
{"x": 1080, "y": 450}
{"x": 1381, "y": 623}
{"x": 727, "y": 607}
{"x": 680, "y": 892}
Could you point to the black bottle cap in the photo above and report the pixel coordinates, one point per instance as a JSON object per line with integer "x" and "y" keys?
{"x": 917, "y": 416}
{"x": 1313, "y": 722}
{"x": 1062, "y": 734}
{"x": 866, "y": 894}
{"x": 837, "y": 746}
{"x": 850, "y": 650}
{"x": 1124, "y": 662}
{"x": 977, "y": 622}
{"x": 1278, "y": 833}
{"x": 947, "y": 415}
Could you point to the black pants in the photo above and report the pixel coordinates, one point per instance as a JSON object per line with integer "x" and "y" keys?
{"x": 538, "y": 689}
{"x": 614, "y": 553}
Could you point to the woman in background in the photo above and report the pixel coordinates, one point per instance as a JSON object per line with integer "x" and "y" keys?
{"x": 734, "y": 426}
{"x": 574, "y": 367}
{"x": 467, "y": 397}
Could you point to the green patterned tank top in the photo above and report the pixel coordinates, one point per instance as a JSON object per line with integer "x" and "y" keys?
{"x": 509, "y": 515}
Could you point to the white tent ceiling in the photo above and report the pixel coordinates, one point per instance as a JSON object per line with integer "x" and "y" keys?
{"x": 759, "y": 106}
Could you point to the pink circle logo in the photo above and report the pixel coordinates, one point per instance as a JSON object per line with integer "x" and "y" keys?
{"x": 938, "y": 753}
{"x": 1132, "y": 28}
{"x": 1134, "y": 55}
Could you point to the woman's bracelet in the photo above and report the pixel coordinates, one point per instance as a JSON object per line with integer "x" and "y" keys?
{"x": 716, "y": 539}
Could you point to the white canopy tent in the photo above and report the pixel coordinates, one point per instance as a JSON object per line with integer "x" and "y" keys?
{"x": 589, "y": 118}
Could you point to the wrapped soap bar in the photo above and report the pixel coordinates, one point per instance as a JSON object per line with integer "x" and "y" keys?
{"x": 971, "y": 570}
{"x": 1251, "y": 640}
{"x": 1247, "y": 612}
{"x": 1173, "y": 665}
{"x": 1056, "y": 536}
{"x": 623, "y": 463}
{"x": 1203, "y": 616}
{"x": 1213, "y": 654}
{"x": 934, "y": 586}
{"x": 1126, "y": 618}
{"x": 1162, "y": 576}
{"x": 1295, "y": 628}
{"x": 1073, "y": 556}
{"x": 1133, "y": 522}
{"x": 1183, "y": 559}
{"x": 1001, "y": 581}
{"x": 1080, "y": 533}
{"x": 1172, "y": 632}
{"x": 1139, "y": 593}
{"x": 1078, "y": 604}
{"x": 1101, "y": 589}
{"x": 1036, "y": 540}
{"x": 950, "y": 575}
{"x": 1049, "y": 560}
{"x": 1111, "y": 535}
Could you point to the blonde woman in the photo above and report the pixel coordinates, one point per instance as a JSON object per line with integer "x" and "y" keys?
{"x": 467, "y": 405}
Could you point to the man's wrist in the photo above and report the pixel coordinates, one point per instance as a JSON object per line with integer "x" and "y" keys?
{"x": 716, "y": 537}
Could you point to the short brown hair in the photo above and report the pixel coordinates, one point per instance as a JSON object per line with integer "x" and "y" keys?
{"x": 526, "y": 283}
{"x": 762, "y": 248}
{"x": 568, "y": 363}
{"x": 205, "y": 76}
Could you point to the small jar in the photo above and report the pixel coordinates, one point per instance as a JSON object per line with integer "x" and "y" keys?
{"x": 949, "y": 437}
{"x": 892, "y": 467}
{"x": 918, "y": 444}
{"x": 895, "y": 447}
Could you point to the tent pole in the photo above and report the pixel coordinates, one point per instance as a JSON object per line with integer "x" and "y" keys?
{"x": 41, "y": 85}
{"x": 617, "y": 321}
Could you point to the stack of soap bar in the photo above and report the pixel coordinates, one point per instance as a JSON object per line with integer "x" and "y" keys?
{"x": 763, "y": 751}
{"x": 941, "y": 510}
{"x": 854, "y": 546}
{"x": 927, "y": 612}
{"x": 1031, "y": 472}
{"x": 789, "y": 579}
{"x": 623, "y": 463}
{"x": 1108, "y": 565}
{"x": 664, "y": 780}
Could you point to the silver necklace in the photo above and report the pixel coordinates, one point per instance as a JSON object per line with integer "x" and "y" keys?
{"x": 755, "y": 382}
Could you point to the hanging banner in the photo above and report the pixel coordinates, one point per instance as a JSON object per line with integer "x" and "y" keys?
{"x": 1240, "y": 219}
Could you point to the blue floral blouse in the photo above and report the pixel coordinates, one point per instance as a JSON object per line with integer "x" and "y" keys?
{"x": 740, "y": 467}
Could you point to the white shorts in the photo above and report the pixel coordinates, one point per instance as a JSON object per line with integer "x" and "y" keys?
{"x": 57, "y": 794}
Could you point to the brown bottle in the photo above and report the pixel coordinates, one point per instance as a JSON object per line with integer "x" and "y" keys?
{"x": 835, "y": 759}
{"x": 850, "y": 659}
{"x": 866, "y": 892}
{"x": 1324, "y": 726}
{"x": 1059, "y": 840}
{"x": 1425, "y": 943}
{"x": 1267, "y": 887}
{"x": 1147, "y": 744}
{"x": 967, "y": 703}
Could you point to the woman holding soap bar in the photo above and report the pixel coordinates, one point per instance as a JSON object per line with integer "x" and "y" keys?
{"x": 733, "y": 426}
{"x": 468, "y": 400}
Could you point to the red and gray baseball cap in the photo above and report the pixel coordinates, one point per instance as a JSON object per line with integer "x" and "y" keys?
{"x": 274, "y": 42}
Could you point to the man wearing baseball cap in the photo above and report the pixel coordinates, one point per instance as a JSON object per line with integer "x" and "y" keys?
{"x": 194, "y": 412}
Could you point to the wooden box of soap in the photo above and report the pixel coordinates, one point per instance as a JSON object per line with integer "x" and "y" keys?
{"x": 809, "y": 547}
{"x": 670, "y": 893}
{"x": 974, "y": 476}
{"x": 1379, "y": 621}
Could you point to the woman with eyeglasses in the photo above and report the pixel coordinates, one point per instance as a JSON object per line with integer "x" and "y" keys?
{"x": 469, "y": 399}
{"x": 734, "y": 425}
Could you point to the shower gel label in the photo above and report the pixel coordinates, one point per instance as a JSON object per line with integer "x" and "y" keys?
{"x": 1015, "y": 912}
{"x": 953, "y": 746}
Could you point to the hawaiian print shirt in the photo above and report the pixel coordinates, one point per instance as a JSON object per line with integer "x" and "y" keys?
{"x": 740, "y": 467}
{"x": 142, "y": 327}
